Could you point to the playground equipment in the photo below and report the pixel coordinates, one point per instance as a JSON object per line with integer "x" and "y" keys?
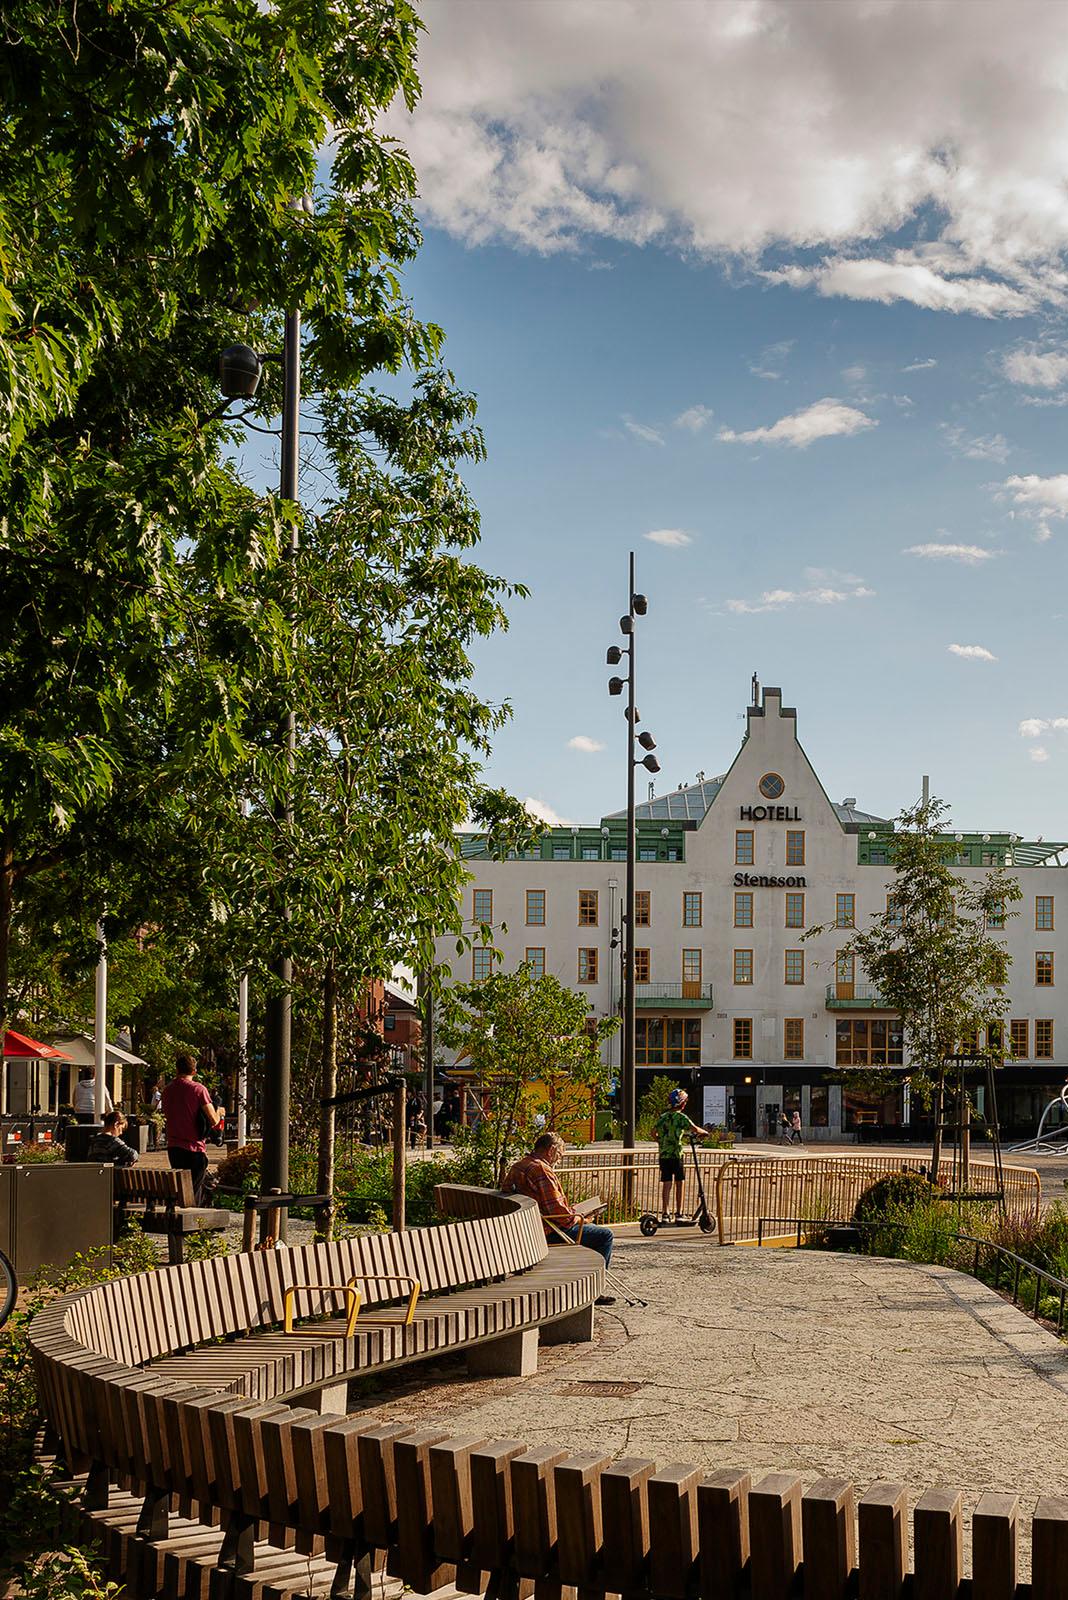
{"x": 1047, "y": 1144}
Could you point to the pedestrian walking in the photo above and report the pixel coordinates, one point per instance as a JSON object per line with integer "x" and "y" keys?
{"x": 190, "y": 1115}
{"x": 85, "y": 1096}
{"x": 795, "y": 1128}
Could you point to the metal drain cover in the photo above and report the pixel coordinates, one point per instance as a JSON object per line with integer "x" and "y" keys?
{"x": 601, "y": 1386}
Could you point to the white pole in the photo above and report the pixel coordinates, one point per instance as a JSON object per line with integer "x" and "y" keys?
{"x": 242, "y": 1044}
{"x": 100, "y": 1024}
{"x": 242, "y": 1060}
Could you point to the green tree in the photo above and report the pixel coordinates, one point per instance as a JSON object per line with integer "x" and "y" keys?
{"x": 933, "y": 954}
{"x": 148, "y": 157}
{"x": 517, "y": 1030}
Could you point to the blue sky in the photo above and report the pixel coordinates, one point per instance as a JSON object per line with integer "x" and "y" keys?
{"x": 773, "y": 293}
{"x": 563, "y": 358}
{"x": 786, "y": 280}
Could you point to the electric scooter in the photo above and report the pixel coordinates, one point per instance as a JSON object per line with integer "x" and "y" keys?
{"x": 650, "y": 1220}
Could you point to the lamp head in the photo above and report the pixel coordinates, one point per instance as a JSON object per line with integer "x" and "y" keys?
{"x": 239, "y": 372}
{"x": 615, "y": 686}
{"x": 614, "y": 656}
{"x": 639, "y": 604}
{"x": 647, "y": 741}
{"x": 637, "y": 715}
{"x": 626, "y": 624}
{"x": 651, "y": 764}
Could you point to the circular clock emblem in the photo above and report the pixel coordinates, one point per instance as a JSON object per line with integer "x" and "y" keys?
{"x": 771, "y": 786}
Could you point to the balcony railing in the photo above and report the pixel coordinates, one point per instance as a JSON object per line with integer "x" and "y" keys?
{"x": 854, "y": 997}
{"x": 673, "y": 996}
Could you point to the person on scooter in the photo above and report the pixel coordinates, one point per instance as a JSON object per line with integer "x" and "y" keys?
{"x": 672, "y": 1126}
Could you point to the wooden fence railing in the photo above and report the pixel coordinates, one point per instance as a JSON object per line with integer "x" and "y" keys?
{"x": 750, "y": 1187}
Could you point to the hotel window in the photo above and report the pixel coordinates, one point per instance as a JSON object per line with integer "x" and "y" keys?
{"x": 995, "y": 1038}
{"x": 618, "y": 853}
{"x": 536, "y": 960}
{"x": 996, "y": 919}
{"x": 1020, "y": 1038}
{"x": 1043, "y": 1038}
{"x": 845, "y": 910}
{"x": 795, "y": 966}
{"x": 743, "y": 1038}
{"x": 969, "y": 1044}
{"x": 795, "y": 847}
{"x": 483, "y": 907}
{"x": 642, "y": 966}
{"x": 743, "y": 966}
{"x": 587, "y": 908}
{"x": 691, "y": 968}
{"x": 795, "y": 911}
{"x": 587, "y": 964}
{"x": 691, "y": 910}
{"x": 535, "y": 908}
{"x": 647, "y": 853}
{"x": 481, "y": 964}
{"x": 667, "y": 1041}
{"x": 641, "y": 908}
{"x": 561, "y": 852}
{"x": 1044, "y": 969}
{"x": 590, "y": 852}
{"x": 1044, "y": 912}
{"x": 743, "y": 847}
{"x": 894, "y": 915}
{"x": 867, "y": 1042}
{"x": 743, "y": 910}
{"x": 845, "y": 971}
{"x": 793, "y": 1039}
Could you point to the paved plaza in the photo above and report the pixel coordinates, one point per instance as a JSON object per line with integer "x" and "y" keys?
{"x": 775, "y": 1360}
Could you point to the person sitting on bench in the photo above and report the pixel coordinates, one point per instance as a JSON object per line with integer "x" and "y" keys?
{"x": 108, "y": 1145}
{"x": 534, "y": 1176}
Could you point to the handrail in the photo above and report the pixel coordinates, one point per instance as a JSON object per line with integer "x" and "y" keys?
{"x": 1022, "y": 1266}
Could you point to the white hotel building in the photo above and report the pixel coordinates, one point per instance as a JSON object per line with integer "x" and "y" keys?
{"x": 730, "y": 1001}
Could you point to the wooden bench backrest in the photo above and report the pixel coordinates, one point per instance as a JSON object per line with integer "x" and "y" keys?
{"x": 464, "y": 1200}
{"x": 154, "y": 1183}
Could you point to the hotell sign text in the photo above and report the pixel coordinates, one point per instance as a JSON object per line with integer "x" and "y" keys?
{"x": 769, "y": 814}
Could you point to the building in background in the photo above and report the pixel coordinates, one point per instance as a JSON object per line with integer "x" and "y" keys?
{"x": 731, "y": 1001}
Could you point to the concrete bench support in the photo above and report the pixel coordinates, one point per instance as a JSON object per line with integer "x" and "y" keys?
{"x": 575, "y": 1329}
{"x": 331, "y": 1400}
{"x": 514, "y": 1356}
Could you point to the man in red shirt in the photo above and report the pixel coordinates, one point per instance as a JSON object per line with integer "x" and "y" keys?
{"x": 185, "y": 1102}
{"x": 533, "y": 1175}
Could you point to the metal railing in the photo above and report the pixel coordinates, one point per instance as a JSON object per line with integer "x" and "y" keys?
{"x": 1021, "y": 1266}
{"x": 673, "y": 994}
{"x": 859, "y": 994}
{"x": 750, "y": 1186}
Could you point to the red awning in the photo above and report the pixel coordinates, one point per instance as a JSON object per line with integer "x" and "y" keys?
{"x": 20, "y": 1047}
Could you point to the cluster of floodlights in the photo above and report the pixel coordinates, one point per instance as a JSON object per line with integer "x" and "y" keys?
{"x": 639, "y": 605}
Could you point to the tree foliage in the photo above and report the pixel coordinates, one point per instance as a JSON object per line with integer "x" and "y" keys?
{"x": 933, "y": 954}
{"x": 516, "y": 1030}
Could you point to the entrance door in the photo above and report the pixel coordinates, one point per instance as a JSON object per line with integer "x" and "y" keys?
{"x": 745, "y": 1110}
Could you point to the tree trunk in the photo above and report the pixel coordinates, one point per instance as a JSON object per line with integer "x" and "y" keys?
{"x": 7, "y": 906}
{"x": 328, "y": 1089}
{"x": 936, "y": 1144}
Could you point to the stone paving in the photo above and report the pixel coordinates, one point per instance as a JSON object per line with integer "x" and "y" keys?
{"x": 776, "y": 1360}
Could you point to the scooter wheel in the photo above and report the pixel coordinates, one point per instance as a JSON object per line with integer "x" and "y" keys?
{"x": 648, "y": 1226}
{"x": 706, "y": 1223}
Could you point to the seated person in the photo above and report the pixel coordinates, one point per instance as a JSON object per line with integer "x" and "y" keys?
{"x": 533, "y": 1175}
{"x": 108, "y": 1145}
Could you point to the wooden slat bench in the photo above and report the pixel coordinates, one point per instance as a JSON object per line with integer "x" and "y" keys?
{"x": 163, "y": 1199}
{"x": 202, "y": 1492}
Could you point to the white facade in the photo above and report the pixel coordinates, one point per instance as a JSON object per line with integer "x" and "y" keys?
{"x": 734, "y": 966}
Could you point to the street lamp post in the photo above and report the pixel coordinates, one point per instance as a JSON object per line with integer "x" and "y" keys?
{"x": 637, "y": 607}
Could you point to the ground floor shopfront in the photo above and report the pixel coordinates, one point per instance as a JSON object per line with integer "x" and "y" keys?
{"x": 751, "y": 1100}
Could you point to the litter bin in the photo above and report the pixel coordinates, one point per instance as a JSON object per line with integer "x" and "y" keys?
{"x": 77, "y": 1137}
{"x": 52, "y": 1212}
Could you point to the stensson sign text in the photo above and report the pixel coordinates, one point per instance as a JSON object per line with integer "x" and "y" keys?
{"x": 749, "y": 880}
{"x": 769, "y": 814}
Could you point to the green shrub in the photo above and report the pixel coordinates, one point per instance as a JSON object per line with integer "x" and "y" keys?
{"x": 898, "y": 1192}
{"x": 28, "y": 1155}
{"x": 653, "y": 1103}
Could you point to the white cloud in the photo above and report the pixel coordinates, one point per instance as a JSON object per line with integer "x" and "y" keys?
{"x": 827, "y": 588}
{"x": 991, "y": 447}
{"x": 1039, "y": 500}
{"x": 828, "y": 128}
{"x": 970, "y": 554}
{"x": 972, "y": 652}
{"x": 671, "y": 538}
{"x": 694, "y": 418}
{"x": 825, "y": 419}
{"x": 855, "y": 374}
{"x": 545, "y": 813}
{"x": 1035, "y": 727}
{"x": 1034, "y": 367}
{"x": 921, "y": 366}
{"x": 583, "y": 742}
{"x": 772, "y": 359}
{"x": 1038, "y": 752}
{"x": 641, "y": 430}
